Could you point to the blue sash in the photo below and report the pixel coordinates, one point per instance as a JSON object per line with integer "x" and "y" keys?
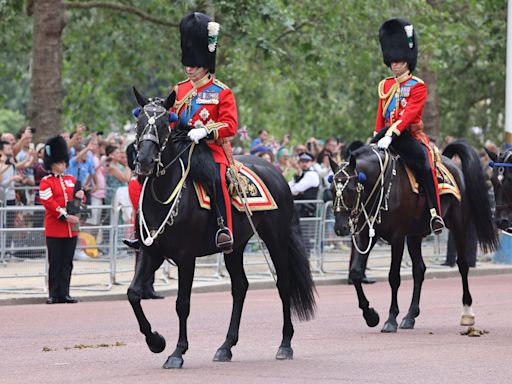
{"x": 404, "y": 92}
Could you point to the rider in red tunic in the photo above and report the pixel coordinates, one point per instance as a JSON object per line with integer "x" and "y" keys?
{"x": 208, "y": 107}
{"x": 401, "y": 100}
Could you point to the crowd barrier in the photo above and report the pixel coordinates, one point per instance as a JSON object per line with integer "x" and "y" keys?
{"x": 102, "y": 260}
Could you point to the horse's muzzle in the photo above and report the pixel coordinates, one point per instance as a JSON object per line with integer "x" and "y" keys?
{"x": 341, "y": 229}
{"x": 143, "y": 171}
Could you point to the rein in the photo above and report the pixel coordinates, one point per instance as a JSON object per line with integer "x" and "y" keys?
{"x": 360, "y": 207}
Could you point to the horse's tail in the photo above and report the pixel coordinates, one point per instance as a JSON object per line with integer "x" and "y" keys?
{"x": 476, "y": 193}
{"x": 302, "y": 286}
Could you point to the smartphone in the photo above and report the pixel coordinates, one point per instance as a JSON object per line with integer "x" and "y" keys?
{"x": 31, "y": 146}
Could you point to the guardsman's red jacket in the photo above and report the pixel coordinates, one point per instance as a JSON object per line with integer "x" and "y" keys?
{"x": 401, "y": 102}
{"x": 211, "y": 104}
{"x": 55, "y": 192}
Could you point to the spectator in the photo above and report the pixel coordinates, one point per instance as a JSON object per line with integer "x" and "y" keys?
{"x": 39, "y": 172}
{"x": 8, "y": 177}
{"x": 81, "y": 163}
{"x": 313, "y": 147}
{"x": 259, "y": 144}
{"x": 61, "y": 227}
{"x": 25, "y": 159}
{"x": 118, "y": 174}
{"x": 267, "y": 155}
{"x": 99, "y": 188}
{"x": 305, "y": 185}
{"x": 284, "y": 164}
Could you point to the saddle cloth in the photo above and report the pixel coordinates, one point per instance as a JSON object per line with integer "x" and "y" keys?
{"x": 259, "y": 197}
{"x": 446, "y": 181}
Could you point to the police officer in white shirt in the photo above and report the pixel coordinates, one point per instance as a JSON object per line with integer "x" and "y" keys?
{"x": 306, "y": 184}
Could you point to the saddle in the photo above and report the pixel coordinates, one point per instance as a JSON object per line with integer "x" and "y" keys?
{"x": 446, "y": 181}
{"x": 259, "y": 197}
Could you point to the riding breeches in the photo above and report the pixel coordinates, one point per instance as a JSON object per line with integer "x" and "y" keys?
{"x": 418, "y": 157}
{"x": 222, "y": 195}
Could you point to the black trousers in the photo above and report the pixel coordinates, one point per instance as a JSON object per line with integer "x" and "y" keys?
{"x": 60, "y": 259}
{"x": 415, "y": 155}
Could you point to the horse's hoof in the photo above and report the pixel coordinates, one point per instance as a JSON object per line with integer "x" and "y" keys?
{"x": 467, "y": 320}
{"x": 173, "y": 363}
{"x": 223, "y": 355}
{"x": 372, "y": 317}
{"x": 284, "y": 353}
{"x": 407, "y": 323}
{"x": 389, "y": 327}
{"x": 155, "y": 342}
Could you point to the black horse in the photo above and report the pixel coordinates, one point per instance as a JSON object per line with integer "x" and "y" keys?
{"x": 372, "y": 196}
{"x": 176, "y": 228}
{"x": 502, "y": 183}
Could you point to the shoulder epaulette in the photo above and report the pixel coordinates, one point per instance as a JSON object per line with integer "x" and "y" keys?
{"x": 418, "y": 79}
{"x": 183, "y": 82}
{"x": 45, "y": 177}
{"x": 381, "y": 87}
{"x": 220, "y": 84}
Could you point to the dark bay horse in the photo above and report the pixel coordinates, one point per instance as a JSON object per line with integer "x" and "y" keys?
{"x": 172, "y": 225}
{"x": 372, "y": 199}
{"x": 502, "y": 183}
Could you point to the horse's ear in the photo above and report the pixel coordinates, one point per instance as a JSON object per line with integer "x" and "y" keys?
{"x": 334, "y": 165}
{"x": 491, "y": 154}
{"x": 352, "y": 161}
{"x": 141, "y": 100}
{"x": 169, "y": 102}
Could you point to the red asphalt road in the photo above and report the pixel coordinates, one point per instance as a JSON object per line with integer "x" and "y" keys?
{"x": 336, "y": 347}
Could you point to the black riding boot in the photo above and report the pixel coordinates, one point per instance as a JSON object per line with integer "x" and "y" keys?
{"x": 223, "y": 237}
{"x": 436, "y": 221}
{"x": 132, "y": 243}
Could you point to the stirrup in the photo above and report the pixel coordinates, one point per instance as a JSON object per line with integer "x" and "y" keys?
{"x": 436, "y": 222}
{"x": 224, "y": 240}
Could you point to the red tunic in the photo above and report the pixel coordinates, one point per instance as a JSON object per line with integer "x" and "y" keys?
{"x": 211, "y": 103}
{"x": 401, "y": 105}
{"x": 54, "y": 193}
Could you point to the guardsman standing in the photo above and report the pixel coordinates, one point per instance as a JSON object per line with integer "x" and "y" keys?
{"x": 401, "y": 101}
{"x": 60, "y": 227}
{"x": 208, "y": 108}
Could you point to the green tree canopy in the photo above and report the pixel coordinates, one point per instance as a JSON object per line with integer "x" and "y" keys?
{"x": 308, "y": 67}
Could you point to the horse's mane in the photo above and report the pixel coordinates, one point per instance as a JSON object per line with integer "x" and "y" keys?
{"x": 202, "y": 167}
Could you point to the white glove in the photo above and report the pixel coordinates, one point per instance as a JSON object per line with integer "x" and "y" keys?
{"x": 384, "y": 142}
{"x": 197, "y": 134}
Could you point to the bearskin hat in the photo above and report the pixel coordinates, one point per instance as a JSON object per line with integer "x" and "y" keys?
{"x": 198, "y": 41}
{"x": 55, "y": 151}
{"x": 398, "y": 42}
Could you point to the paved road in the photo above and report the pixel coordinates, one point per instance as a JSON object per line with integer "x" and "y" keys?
{"x": 336, "y": 347}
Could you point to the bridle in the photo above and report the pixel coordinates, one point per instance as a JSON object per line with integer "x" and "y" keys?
{"x": 501, "y": 169}
{"x": 373, "y": 215}
{"x": 154, "y": 111}
{"x": 339, "y": 202}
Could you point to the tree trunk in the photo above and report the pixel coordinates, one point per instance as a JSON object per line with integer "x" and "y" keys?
{"x": 45, "y": 108}
{"x": 431, "y": 110}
